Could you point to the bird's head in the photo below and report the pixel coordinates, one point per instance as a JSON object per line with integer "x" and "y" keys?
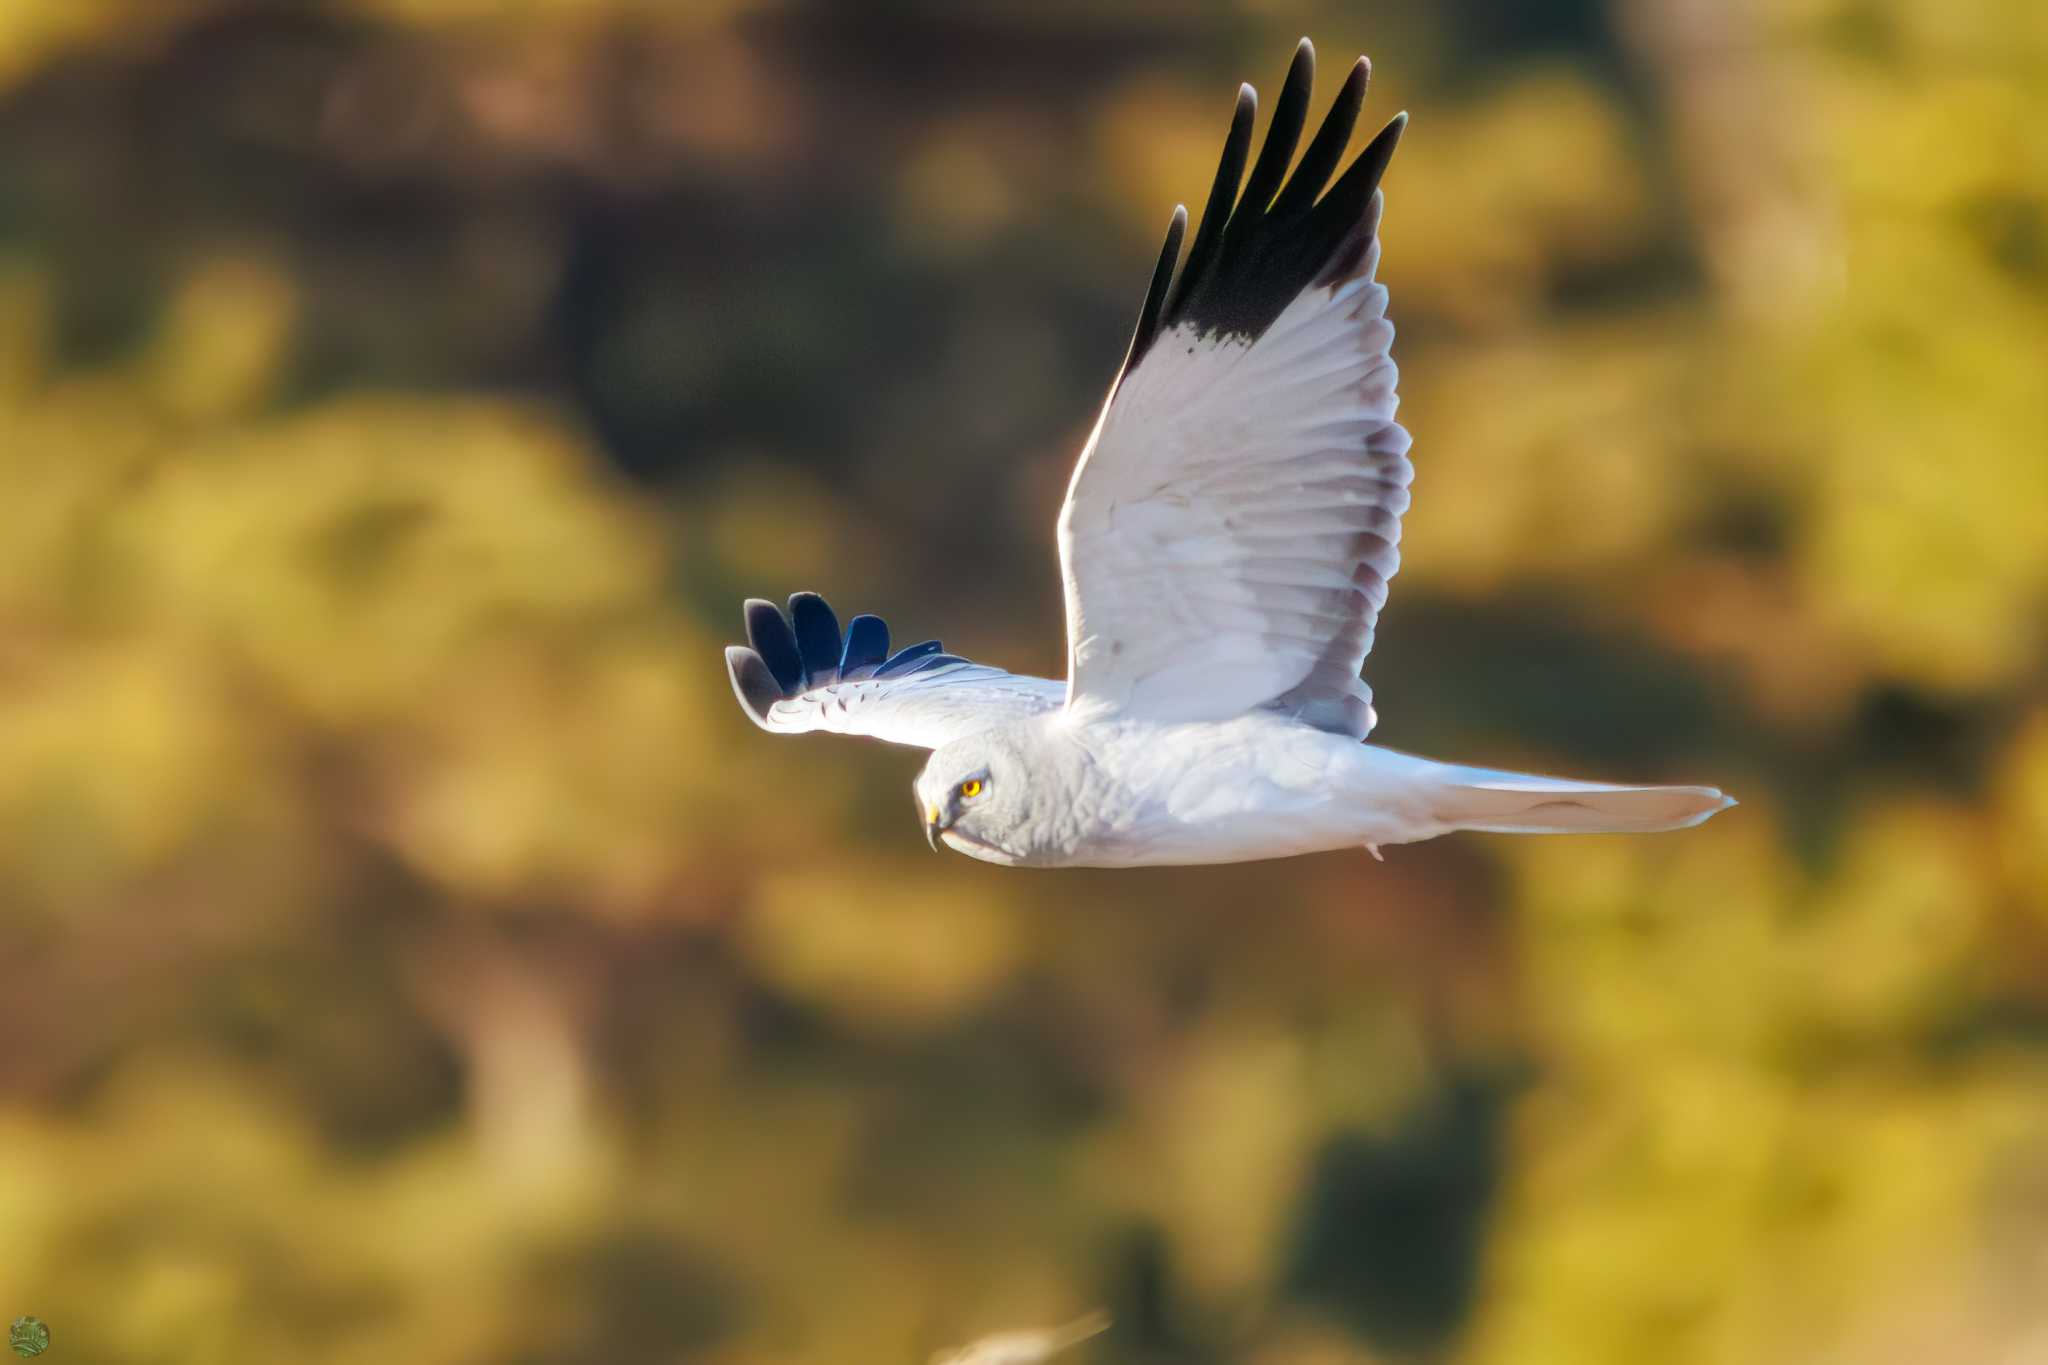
{"x": 976, "y": 793}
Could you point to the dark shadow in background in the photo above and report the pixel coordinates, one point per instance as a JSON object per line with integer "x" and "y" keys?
{"x": 1387, "y": 1237}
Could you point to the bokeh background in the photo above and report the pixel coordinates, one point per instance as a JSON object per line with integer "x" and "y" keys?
{"x": 408, "y": 952}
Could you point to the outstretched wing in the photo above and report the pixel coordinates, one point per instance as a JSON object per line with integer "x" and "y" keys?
{"x": 796, "y": 673}
{"x": 1232, "y": 524}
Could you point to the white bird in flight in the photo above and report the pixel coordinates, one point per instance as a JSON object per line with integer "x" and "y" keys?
{"x": 1226, "y": 544}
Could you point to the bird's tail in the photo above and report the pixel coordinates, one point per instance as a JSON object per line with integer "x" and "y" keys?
{"x": 1520, "y": 803}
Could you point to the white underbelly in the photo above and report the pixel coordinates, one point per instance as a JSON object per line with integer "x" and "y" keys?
{"x": 1254, "y": 788}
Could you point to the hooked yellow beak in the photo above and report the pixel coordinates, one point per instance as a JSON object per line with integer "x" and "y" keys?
{"x": 934, "y": 825}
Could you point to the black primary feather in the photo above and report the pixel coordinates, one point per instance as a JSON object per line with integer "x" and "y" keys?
{"x": 1319, "y": 162}
{"x": 789, "y": 654}
{"x": 1155, "y": 296}
{"x": 1208, "y": 243}
{"x": 1283, "y": 135}
{"x": 769, "y": 633}
{"x": 1256, "y": 252}
{"x": 1349, "y": 214}
{"x": 817, "y": 638}
{"x": 752, "y": 683}
{"x": 867, "y": 644}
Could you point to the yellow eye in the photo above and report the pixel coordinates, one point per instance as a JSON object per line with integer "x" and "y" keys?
{"x": 971, "y": 788}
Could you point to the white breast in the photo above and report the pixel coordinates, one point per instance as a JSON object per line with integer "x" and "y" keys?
{"x": 1259, "y": 786}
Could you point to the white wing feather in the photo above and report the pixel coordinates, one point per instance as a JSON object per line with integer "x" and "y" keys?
{"x": 1228, "y": 535}
{"x": 926, "y": 709}
{"x": 1231, "y": 528}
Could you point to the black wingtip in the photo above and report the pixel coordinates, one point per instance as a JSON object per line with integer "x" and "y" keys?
{"x": 1255, "y": 254}
{"x": 752, "y": 683}
{"x": 789, "y": 654}
{"x": 1283, "y": 134}
{"x": 1237, "y": 144}
{"x": 1155, "y": 296}
{"x": 1391, "y": 136}
{"x": 867, "y": 645}
{"x": 768, "y": 631}
{"x": 1347, "y": 200}
{"x": 817, "y": 638}
{"x": 1326, "y": 151}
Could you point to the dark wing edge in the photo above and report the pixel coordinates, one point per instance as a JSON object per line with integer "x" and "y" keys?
{"x": 1256, "y": 252}
{"x": 790, "y": 653}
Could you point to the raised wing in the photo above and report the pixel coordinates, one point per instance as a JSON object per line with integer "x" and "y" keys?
{"x": 1234, "y": 519}
{"x": 796, "y": 673}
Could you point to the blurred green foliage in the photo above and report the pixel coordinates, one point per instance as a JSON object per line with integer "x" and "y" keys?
{"x": 410, "y": 954}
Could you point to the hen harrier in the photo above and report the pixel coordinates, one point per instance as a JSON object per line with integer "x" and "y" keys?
{"x": 1226, "y": 544}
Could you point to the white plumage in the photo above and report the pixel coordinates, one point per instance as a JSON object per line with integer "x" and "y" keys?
{"x": 1226, "y": 545}
{"x": 1235, "y": 517}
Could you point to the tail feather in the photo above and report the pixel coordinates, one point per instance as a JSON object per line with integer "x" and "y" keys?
{"x": 1521, "y": 803}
